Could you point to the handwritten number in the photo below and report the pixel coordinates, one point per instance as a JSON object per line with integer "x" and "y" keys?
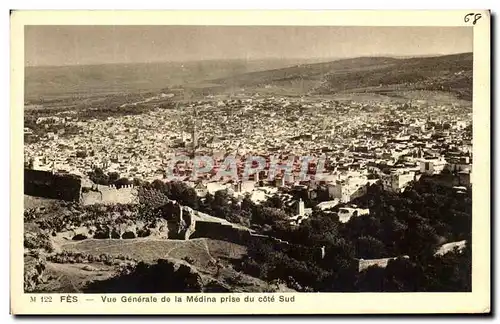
{"x": 475, "y": 18}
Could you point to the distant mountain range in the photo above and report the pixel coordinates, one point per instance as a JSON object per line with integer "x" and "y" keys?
{"x": 382, "y": 75}
{"x": 52, "y": 82}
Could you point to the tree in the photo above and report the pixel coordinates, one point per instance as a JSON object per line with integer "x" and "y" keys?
{"x": 366, "y": 225}
{"x": 150, "y": 198}
{"x": 275, "y": 202}
{"x": 137, "y": 182}
{"x": 159, "y": 185}
{"x": 401, "y": 274}
{"x": 368, "y": 247}
{"x": 113, "y": 176}
{"x": 450, "y": 272}
{"x": 98, "y": 176}
{"x": 122, "y": 182}
{"x": 370, "y": 280}
{"x": 205, "y": 204}
{"x": 420, "y": 240}
{"x": 221, "y": 205}
{"x": 182, "y": 193}
{"x": 247, "y": 204}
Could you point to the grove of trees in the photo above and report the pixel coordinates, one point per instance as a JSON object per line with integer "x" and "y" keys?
{"x": 414, "y": 224}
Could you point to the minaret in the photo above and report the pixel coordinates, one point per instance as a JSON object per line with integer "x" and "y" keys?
{"x": 300, "y": 208}
{"x": 194, "y": 134}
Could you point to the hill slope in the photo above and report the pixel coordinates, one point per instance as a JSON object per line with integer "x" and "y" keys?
{"x": 50, "y": 82}
{"x": 69, "y": 85}
{"x": 450, "y": 73}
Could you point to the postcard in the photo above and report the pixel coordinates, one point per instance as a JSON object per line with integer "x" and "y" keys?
{"x": 250, "y": 162}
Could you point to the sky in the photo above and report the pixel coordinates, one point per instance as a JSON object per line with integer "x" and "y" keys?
{"x": 82, "y": 45}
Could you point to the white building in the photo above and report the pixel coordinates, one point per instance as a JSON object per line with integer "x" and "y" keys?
{"x": 397, "y": 180}
{"x": 328, "y": 204}
{"x": 448, "y": 247}
{"x": 348, "y": 189}
{"x": 434, "y": 166}
{"x": 345, "y": 213}
{"x": 459, "y": 164}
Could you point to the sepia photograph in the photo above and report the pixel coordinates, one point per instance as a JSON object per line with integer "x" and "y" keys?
{"x": 273, "y": 159}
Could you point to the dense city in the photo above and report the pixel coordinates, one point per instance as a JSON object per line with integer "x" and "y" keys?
{"x": 377, "y": 172}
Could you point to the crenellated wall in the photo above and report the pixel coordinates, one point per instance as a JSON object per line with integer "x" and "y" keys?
{"x": 110, "y": 195}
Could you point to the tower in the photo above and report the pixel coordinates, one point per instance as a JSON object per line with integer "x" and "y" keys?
{"x": 300, "y": 208}
{"x": 194, "y": 132}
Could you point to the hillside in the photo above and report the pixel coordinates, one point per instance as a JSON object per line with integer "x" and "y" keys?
{"x": 142, "y": 265}
{"x": 64, "y": 254}
{"x": 383, "y": 75}
{"x": 52, "y": 82}
{"x": 98, "y": 84}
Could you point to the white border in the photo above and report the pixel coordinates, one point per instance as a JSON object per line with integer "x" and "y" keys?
{"x": 482, "y": 156}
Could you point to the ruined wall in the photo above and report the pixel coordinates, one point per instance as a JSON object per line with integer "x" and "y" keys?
{"x": 219, "y": 231}
{"x": 269, "y": 239}
{"x": 230, "y": 233}
{"x": 179, "y": 220}
{"x": 381, "y": 263}
{"x": 110, "y": 195}
{"x": 188, "y": 222}
{"x": 48, "y": 185}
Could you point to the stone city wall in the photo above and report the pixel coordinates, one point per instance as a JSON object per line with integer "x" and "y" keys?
{"x": 110, "y": 195}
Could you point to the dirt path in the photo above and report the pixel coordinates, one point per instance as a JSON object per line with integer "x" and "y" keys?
{"x": 71, "y": 275}
{"x": 205, "y": 245}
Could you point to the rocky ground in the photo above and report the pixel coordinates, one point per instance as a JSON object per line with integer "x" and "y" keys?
{"x": 130, "y": 256}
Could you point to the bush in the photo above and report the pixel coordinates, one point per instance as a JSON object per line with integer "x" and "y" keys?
{"x": 38, "y": 241}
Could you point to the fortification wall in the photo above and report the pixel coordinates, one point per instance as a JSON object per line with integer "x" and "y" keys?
{"x": 110, "y": 195}
{"x": 48, "y": 185}
{"x": 219, "y": 231}
{"x": 381, "y": 263}
{"x": 179, "y": 219}
{"x": 269, "y": 239}
{"x": 188, "y": 222}
{"x": 237, "y": 235}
